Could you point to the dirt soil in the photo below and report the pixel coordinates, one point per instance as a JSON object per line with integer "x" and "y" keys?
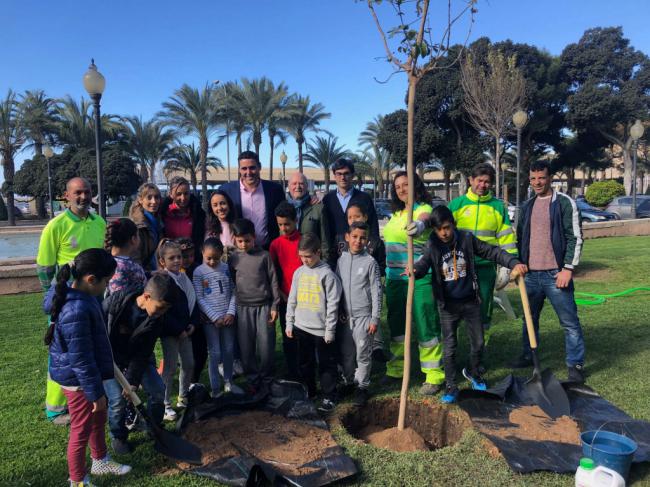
{"x": 531, "y": 423}
{"x": 287, "y": 444}
{"x": 393, "y": 439}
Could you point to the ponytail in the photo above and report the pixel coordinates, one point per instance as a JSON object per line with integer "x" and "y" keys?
{"x": 60, "y": 293}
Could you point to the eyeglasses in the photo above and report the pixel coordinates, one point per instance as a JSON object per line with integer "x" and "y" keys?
{"x": 343, "y": 174}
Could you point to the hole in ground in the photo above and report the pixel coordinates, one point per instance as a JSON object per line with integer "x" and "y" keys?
{"x": 431, "y": 425}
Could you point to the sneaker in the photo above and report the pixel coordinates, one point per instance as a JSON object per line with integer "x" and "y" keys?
{"x": 61, "y": 419}
{"x": 106, "y": 466}
{"x": 378, "y": 355}
{"x": 84, "y": 483}
{"x": 237, "y": 368}
{"x": 233, "y": 388}
{"x": 450, "y": 396}
{"x": 326, "y": 406}
{"x": 428, "y": 389}
{"x": 522, "y": 362}
{"x": 170, "y": 414}
{"x": 361, "y": 395}
{"x": 181, "y": 403}
{"x": 477, "y": 382}
{"x": 120, "y": 447}
{"x": 577, "y": 374}
{"x": 220, "y": 367}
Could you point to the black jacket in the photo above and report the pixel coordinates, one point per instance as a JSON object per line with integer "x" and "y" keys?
{"x": 132, "y": 342}
{"x": 273, "y": 196}
{"x": 178, "y": 317}
{"x": 198, "y": 223}
{"x": 337, "y": 220}
{"x": 470, "y": 245}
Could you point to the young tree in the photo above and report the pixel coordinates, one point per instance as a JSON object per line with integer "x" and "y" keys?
{"x": 493, "y": 93}
{"x": 413, "y": 46}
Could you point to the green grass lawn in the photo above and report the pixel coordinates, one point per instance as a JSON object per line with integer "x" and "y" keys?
{"x": 617, "y": 334}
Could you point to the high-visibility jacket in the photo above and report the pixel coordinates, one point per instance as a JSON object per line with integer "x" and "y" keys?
{"x": 487, "y": 218}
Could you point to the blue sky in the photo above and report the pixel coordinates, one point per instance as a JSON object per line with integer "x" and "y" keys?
{"x": 327, "y": 49}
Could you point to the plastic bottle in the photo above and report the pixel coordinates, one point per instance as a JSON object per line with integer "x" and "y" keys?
{"x": 588, "y": 475}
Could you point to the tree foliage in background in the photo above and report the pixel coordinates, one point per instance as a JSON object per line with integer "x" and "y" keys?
{"x": 12, "y": 138}
{"x": 601, "y": 193}
{"x": 323, "y": 152}
{"x": 148, "y": 142}
{"x": 609, "y": 85}
{"x": 187, "y": 159}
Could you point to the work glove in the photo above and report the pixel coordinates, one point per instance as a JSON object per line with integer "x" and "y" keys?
{"x": 503, "y": 278}
{"x": 415, "y": 228}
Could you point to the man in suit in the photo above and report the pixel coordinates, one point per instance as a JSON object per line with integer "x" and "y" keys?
{"x": 336, "y": 202}
{"x": 255, "y": 198}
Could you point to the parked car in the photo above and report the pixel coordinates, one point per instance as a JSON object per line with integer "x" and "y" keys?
{"x": 384, "y": 211}
{"x": 622, "y": 206}
{"x": 589, "y": 214}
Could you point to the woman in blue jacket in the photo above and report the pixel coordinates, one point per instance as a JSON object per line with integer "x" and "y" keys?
{"x": 81, "y": 359}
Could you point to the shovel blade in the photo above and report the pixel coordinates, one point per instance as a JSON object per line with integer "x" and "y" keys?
{"x": 173, "y": 446}
{"x": 547, "y": 392}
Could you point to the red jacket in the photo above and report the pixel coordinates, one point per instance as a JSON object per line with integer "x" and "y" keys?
{"x": 284, "y": 253}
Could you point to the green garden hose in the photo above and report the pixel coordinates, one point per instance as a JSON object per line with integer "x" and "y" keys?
{"x": 594, "y": 299}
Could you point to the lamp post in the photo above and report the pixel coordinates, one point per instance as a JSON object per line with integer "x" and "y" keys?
{"x": 94, "y": 83}
{"x": 636, "y": 132}
{"x": 283, "y": 160}
{"x": 48, "y": 153}
{"x": 520, "y": 119}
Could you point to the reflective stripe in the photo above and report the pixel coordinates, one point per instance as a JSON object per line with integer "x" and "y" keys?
{"x": 509, "y": 246}
{"x": 396, "y": 248}
{"x": 484, "y": 233}
{"x": 505, "y": 232}
{"x": 399, "y": 339}
{"x": 430, "y": 365}
{"x": 430, "y": 343}
{"x": 396, "y": 263}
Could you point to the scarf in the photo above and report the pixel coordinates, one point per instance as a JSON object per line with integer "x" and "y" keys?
{"x": 154, "y": 226}
{"x": 299, "y": 204}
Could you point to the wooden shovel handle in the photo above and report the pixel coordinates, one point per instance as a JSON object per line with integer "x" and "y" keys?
{"x": 126, "y": 386}
{"x": 529, "y": 318}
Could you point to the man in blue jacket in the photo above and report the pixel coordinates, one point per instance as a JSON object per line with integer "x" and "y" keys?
{"x": 549, "y": 239}
{"x": 255, "y": 199}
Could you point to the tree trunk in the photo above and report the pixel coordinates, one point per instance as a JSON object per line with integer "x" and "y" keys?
{"x": 239, "y": 151}
{"x": 300, "y": 157}
{"x": 447, "y": 176}
{"x": 203, "y": 155}
{"x": 583, "y": 183}
{"x": 8, "y": 162}
{"x": 271, "y": 140}
{"x": 194, "y": 181}
{"x": 326, "y": 179}
{"x": 410, "y": 171}
{"x": 497, "y": 167}
{"x": 570, "y": 181}
{"x": 388, "y": 182}
{"x": 257, "y": 141}
{"x": 41, "y": 209}
{"x": 462, "y": 184}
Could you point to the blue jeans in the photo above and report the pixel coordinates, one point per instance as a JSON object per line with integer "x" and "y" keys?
{"x": 221, "y": 345}
{"x": 541, "y": 285}
{"x": 152, "y": 385}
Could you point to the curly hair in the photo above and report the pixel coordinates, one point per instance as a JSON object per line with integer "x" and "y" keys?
{"x": 422, "y": 196}
{"x": 212, "y": 223}
{"x": 119, "y": 232}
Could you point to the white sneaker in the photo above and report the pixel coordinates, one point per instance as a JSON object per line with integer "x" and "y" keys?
{"x": 170, "y": 414}
{"x": 233, "y": 388}
{"x": 182, "y": 402}
{"x": 237, "y": 368}
{"x": 220, "y": 367}
{"x": 106, "y": 466}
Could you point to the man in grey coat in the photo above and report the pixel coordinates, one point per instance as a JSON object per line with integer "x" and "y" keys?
{"x": 362, "y": 293}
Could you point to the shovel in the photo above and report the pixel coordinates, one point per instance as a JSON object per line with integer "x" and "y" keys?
{"x": 165, "y": 442}
{"x": 543, "y": 388}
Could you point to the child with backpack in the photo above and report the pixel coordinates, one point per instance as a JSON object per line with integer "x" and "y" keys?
{"x": 81, "y": 359}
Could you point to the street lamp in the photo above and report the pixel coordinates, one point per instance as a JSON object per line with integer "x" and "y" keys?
{"x": 283, "y": 160}
{"x": 94, "y": 83}
{"x": 48, "y": 153}
{"x": 520, "y": 119}
{"x": 636, "y": 132}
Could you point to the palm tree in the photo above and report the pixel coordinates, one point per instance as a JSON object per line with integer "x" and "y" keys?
{"x": 258, "y": 102}
{"x": 323, "y": 152}
{"x": 364, "y": 168}
{"x": 148, "y": 142}
{"x": 76, "y": 126}
{"x": 369, "y": 139}
{"x": 194, "y": 112}
{"x": 12, "y": 138}
{"x": 304, "y": 118}
{"x": 38, "y": 115}
{"x": 187, "y": 158}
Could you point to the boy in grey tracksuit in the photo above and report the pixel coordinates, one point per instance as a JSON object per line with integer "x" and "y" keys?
{"x": 312, "y": 313}
{"x": 362, "y": 296}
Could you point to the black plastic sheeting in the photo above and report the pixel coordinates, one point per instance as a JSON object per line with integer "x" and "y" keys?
{"x": 491, "y": 409}
{"x": 283, "y": 397}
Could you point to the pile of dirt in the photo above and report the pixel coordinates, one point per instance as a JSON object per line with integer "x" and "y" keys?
{"x": 393, "y": 439}
{"x": 531, "y": 423}
{"x": 287, "y": 444}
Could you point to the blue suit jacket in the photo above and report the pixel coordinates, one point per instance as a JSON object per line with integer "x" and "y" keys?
{"x": 273, "y": 196}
